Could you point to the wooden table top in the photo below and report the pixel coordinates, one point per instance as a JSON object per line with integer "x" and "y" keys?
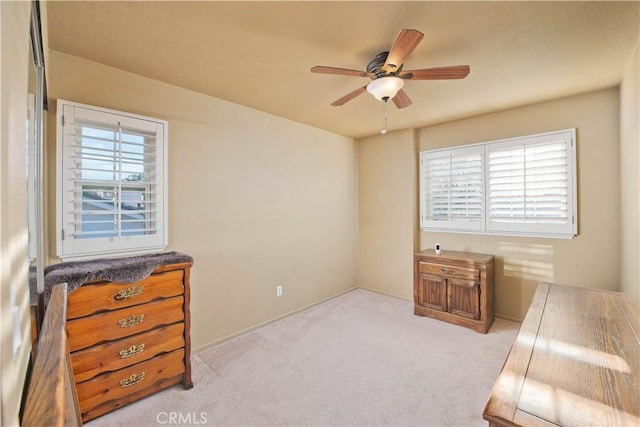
{"x": 575, "y": 362}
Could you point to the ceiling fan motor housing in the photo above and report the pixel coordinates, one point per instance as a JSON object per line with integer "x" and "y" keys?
{"x": 375, "y": 65}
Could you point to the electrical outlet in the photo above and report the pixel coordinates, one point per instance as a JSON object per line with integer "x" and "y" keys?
{"x": 279, "y": 290}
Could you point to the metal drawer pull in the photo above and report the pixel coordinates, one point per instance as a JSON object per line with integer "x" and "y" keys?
{"x": 447, "y": 270}
{"x": 132, "y": 380}
{"x": 131, "y": 321}
{"x": 131, "y": 351}
{"x": 130, "y": 292}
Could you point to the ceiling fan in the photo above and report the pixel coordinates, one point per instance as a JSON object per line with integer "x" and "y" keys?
{"x": 387, "y": 75}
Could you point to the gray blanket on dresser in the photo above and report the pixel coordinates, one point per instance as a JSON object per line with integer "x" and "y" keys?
{"x": 123, "y": 270}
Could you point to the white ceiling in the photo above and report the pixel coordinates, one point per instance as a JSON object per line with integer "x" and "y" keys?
{"x": 258, "y": 54}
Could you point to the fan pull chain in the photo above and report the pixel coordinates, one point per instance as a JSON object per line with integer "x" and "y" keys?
{"x": 384, "y": 117}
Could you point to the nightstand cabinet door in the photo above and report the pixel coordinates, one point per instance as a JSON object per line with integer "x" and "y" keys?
{"x": 431, "y": 292}
{"x": 464, "y": 298}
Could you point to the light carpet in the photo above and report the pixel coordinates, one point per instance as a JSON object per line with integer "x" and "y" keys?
{"x": 361, "y": 359}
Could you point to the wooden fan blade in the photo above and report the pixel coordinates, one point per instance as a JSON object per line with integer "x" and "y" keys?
{"x": 401, "y": 100}
{"x": 405, "y": 43}
{"x": 348, "y": 97}
{"x": 340, "y": 71}
{"x": 440, "y": 73}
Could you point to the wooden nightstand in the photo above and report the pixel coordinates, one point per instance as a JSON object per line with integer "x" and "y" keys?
{"x": 456, "y": 287}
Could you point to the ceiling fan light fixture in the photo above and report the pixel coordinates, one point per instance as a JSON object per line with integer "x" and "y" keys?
{"x": 385, "y": 88}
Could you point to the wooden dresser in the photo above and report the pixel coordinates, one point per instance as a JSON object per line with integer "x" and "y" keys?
{"x": 129, "y": 340}
{"x": 456, "y": 287}
{"x": 574, "y": 362}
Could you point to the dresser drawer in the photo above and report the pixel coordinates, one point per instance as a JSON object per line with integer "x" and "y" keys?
{"x": 97, "y": 297}
{"x": 114, "y": 389}
{"x": 449, "y": 270}
{"x": 128, "y": 351}
{"x": 116, "y": 324}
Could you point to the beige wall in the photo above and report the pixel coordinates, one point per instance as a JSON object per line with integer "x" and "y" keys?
{"x": 629, "y": 178}
{"x": 14, "y": 63}
{"x": 387, "y": 187}
{"x": 520, "y": 262}
{"x": 257, "y": 200}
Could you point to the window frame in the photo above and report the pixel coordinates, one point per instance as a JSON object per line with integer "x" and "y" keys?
{"x": 567, "y": 230}
{"x": 32, "y": 221}
{"x": 70, "y": 248}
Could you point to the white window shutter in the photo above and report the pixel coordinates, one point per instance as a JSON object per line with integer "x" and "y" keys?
{"x": 530, "y": 185}
{"x": 112, "y": 185}
{"x": 452, "y": 186}
{"x": 522, "y": 186}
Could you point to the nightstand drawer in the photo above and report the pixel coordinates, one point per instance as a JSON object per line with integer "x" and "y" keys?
{"x": 113, "y": 325}
{"x": 109, "y": 391}
{"x": 128, "y": 351}
{"x": 450, "y": 271}
{"x": 103, "y": 296}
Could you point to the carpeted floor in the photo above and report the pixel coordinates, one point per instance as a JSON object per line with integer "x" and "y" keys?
{"x": 362, "y": 359}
